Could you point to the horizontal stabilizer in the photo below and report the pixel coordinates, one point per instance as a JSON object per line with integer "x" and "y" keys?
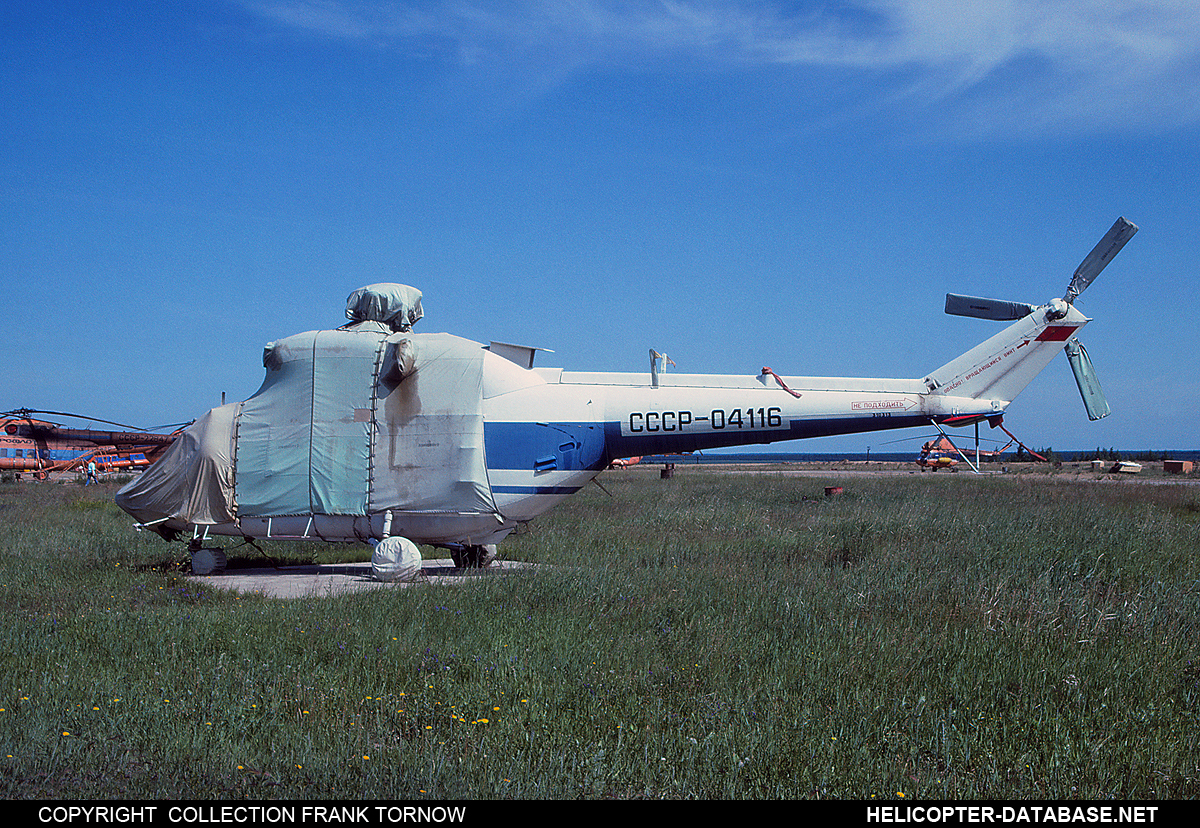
{"x": 1085, "y": 378}
{"x": 996, "y": 309}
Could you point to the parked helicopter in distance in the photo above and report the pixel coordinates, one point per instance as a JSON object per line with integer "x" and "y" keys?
{"x": 374, "y": 433}
{"x": 938, "y": 454}
{"x": 42, "y": 448}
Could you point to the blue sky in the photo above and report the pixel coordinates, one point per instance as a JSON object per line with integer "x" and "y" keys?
{"x": 735, "y": 184}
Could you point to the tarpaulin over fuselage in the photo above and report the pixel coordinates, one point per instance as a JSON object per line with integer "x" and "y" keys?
{"x": 353, "y": 421}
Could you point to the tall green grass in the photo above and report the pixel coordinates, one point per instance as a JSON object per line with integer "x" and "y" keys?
{"x": 713, "y": 635}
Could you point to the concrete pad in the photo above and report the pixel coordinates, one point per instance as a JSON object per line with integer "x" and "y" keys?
{"x": 324, "y": 580}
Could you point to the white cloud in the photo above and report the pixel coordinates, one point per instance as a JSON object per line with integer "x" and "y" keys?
{"x": 1033, "y": 65}
{"x": 1063, "y": 65}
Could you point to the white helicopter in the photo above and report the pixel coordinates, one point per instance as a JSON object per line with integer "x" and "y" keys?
{"x": 373, "y": 433}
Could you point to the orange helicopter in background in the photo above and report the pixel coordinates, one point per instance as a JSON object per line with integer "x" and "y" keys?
{"x": 938, "y": 454}
{"x": 42, "y": 447}
{"x": 943, "y": 454}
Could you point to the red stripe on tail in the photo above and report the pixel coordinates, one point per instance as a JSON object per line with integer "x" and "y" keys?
{"x": 1057, "y": 333}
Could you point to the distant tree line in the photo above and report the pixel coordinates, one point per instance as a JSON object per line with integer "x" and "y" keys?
{"x": 1145, "y": 456}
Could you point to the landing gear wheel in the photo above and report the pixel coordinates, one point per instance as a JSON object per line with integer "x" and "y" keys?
{"x": 473, "y": 556}
{"x": 208, "y": 561}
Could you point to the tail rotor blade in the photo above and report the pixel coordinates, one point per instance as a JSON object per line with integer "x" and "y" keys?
{"x": 1103, "y": 253}
{"x": 995, "y": 309}
{"x": 1086, "y": 379}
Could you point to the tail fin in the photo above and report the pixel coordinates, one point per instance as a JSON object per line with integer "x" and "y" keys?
{"x": 1000, "y": 368}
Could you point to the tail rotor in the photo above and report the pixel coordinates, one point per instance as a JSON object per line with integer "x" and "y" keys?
{"x": 1085, "y": 377}
{"x": 1103, "y": 253}
{"x": 1004, "y": 311}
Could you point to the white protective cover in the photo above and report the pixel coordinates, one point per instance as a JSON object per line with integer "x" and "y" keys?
{"x": 397, "y": 306}
{"x": 396, "y": 559}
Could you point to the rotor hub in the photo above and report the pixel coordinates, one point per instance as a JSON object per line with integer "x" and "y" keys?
{"x": 1057, "y": 309}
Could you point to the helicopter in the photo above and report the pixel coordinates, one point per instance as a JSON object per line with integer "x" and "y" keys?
{"x": 41, "y": 447}
{"x": 937, "y": 454}
{"x": 375, "y": 434}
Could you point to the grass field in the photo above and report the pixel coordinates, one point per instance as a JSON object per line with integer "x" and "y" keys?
{"x": 713, "y": 635}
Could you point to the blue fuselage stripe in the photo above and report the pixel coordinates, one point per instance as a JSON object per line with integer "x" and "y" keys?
{"x": 540, "y": 447}
{"x": 536, "y": 490}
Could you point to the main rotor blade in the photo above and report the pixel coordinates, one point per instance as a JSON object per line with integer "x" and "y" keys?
{"x": 995, "y": 309}
{"x": 24, "y": 414}
{"x": 1103, "y": 253}
{"x": 1086, "y": 379}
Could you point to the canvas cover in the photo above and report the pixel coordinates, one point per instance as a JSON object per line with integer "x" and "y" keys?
{"x": 428, "y": 451}
{"x": 193, "y": 480}
{"x": 352, "y": 421}
{"x": 397, "y": 306}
